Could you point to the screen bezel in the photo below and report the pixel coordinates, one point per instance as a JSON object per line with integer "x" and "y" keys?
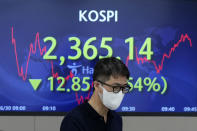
{"x": 179, "y": 114}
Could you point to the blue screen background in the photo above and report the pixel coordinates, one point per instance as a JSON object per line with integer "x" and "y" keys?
{"x": 162, "y": 20}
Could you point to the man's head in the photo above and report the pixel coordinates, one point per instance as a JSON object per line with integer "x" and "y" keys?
{"x": 110, "y": 79}
{"x": 110, "y": 67}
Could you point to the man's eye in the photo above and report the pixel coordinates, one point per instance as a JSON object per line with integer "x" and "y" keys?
{"x": 116, "y": 87}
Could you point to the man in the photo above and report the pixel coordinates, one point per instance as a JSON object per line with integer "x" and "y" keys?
{"x": 110, "y": 84}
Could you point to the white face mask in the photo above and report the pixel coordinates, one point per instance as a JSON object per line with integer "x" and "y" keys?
{"x": 110, "y": 99}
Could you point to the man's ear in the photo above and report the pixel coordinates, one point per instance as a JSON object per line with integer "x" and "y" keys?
{"x": 96, "y": 85}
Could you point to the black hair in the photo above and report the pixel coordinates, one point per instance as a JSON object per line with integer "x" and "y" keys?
{"x": 107, "y": 67}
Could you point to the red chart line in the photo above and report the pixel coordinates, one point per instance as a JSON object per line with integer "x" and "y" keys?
{"x": 81, "y": 98}
{"x": 159, "y": 67}
{"x": 32, "y": 50}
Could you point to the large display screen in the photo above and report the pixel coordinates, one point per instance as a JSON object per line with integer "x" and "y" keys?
{"x": 48, "y": 50}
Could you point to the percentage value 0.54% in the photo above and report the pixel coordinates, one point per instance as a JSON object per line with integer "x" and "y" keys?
{"x": 150, "y": 84}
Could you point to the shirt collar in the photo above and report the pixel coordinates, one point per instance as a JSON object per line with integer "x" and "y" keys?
{"x": 95, "y": 114}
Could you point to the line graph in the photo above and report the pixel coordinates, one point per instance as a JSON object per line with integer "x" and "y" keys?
{"x": 159, "y": 67}
{"x": 22, "y": 71}
{"x": 32, "y": 50}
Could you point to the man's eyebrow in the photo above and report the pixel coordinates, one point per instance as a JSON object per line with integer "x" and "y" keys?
{"x": 118, "y": 84}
